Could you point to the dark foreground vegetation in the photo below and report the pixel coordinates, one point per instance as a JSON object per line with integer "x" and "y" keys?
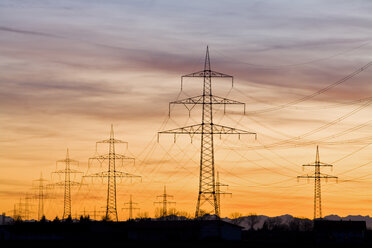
{"x": 183, "y": 233}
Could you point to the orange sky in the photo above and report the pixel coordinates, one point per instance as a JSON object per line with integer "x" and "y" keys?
{"x": 69, "y": 70}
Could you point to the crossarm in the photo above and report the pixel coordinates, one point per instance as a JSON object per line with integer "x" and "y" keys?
{"x": 321, "y": 175}
{"x": 194, "y": 129}
{"x": 115, "y": 173}
{"x": 107, "y": 156}
{"x": 116, "y": 141}
{"x": 314, "y": 176}
{"x": 207, "y": 73}
{"x": 68, "y": 160}
{"x": 112, "y": 140}
{"x": 66, "y": 171}
{"x": 72, "y": 183}
{"x": 199, "y": 100}
{"x": 320, "y": 164}
{"x": 219, "y": 129}
{"x": 198, "y": 129}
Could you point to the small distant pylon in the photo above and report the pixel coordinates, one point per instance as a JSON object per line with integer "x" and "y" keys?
{"x": 67, "y": 183}
{"x": 219, "y": 192}
{"x": 41, "y": 187}
{"x": 15, "y": 212}
{"x": 165, "y": 202}
{"x": 111, "y": 173}
{"x": 317, "y": 183}
{"x": 131, "y": 207}
{"x": 23, "y": 208}
{"x": 93, "y": 214}
{"x": 84, "y": 213}
{"x": 18, "y": 210}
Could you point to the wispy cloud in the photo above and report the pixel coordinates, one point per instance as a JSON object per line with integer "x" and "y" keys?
{"x": 28, "y": 32}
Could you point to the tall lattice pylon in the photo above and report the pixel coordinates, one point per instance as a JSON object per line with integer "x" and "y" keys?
{"x": 317, "y": 183}
{"x": 207, "y": 129}
{"x": 41, "y": 187}
{"x": 67, "y": 183}
{"x": 164, "y": 202}
{"x": 131, "y": 207}
{"x": 111, "y": 174}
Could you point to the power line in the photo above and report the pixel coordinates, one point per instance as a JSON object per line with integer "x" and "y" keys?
{"x": 284, "y": 143}
{"x": 321, "y": 91}
{"x": 279, "y": 67}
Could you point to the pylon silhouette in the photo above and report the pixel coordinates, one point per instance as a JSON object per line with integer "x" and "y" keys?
{"x": 207, "y": 129}
{"x": 317, "y": 183}
{"x": 111, "y": 174}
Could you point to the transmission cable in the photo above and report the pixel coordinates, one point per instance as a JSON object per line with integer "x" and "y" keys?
{"x": 279, "y": 67}
{"x": 321, "y": 91}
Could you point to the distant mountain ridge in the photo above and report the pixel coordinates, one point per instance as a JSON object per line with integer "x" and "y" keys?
{"x": 287, "y": 219}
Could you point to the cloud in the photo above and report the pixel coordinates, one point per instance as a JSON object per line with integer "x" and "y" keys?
{"x": 28, "y": 32}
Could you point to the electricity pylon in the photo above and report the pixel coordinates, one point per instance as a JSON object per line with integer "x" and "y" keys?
{"x": 111, "y": 173}
{"x": 131, "y": 207}
{"x": 41, "y": 195}
{"x": 67, "y": 183}
{"x": 92, "y": 213}
{"x": 15, "y": 212}
{"x": 24, "y": 208}
{"x": 207, "y": 129}
{"x": 165, "y": 202}
{"x": 18, "y": 210}
{"x": 219, "y": 192}
{"x": 317, "y": 183}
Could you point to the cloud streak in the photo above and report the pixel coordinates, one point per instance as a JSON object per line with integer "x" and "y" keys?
{"x": 27, "y": 32}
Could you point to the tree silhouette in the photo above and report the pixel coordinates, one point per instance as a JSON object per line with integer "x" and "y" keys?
{"x": 43, "y": 219}
{"x": 252, "y": 219}
{"x": 235, "y": 217}
{"x": 56, "y": 220}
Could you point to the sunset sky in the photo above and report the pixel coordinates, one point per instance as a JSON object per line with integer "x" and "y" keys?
{"x": 70, "y": 69}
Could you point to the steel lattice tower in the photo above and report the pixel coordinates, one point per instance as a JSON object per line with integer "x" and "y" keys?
{"x": 111, "y": 174}
{"x": 317, "y": 183}
{"x": 67, "y": 183}
{"x": 219, "y": 192}
{"x": 131, "y": 207}
{"x": 165, "y": 202}
{"x": 207, "y": 129}
{"x": 93, "y": 212}
{"x": 24, "y": 208}
{"x": 41, "y": 195}
{"x": 15, "y": 212}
